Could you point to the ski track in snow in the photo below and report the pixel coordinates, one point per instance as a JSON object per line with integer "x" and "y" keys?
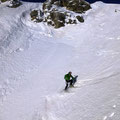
{"x": 23, "y": 97}
{"x": 111, "y": 115}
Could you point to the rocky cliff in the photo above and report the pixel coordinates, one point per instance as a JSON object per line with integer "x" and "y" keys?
{"x": 57, "y": 13}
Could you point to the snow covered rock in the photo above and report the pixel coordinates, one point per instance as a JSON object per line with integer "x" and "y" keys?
{"x": 14, "y": 3}
{"x": 36, "y": 15}
{"x": 56, "y": 19}
{"x": 57, "y": 13}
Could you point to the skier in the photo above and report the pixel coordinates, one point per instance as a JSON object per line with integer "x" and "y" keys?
{"x": 69, "y": 79}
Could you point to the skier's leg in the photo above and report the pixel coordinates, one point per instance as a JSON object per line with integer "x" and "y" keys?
{"x": 71, "y": 82}
{"x": 66, "y": 86}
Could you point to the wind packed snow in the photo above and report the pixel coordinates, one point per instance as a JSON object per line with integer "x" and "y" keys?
{"x": 35, "y": 57}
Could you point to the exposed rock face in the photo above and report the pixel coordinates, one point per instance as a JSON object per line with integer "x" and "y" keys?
{"x": 78, "y": 6}
{"x": 35, "y": 15}
{"x": 57, "y": 18}
{"x": 57, "y": 13}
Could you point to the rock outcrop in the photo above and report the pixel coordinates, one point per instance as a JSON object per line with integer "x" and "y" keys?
{"x": 14, "y": 4}
{"x": 57, "y": 13}
{"x": 78, "y": 6}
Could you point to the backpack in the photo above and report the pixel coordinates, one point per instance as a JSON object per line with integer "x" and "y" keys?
{"x": 66, "y": 77}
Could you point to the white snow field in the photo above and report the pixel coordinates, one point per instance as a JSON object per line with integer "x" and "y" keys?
{"x": 35, "y": 57}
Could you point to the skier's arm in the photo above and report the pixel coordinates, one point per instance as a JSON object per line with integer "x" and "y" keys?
{"x": 71, "y": 76}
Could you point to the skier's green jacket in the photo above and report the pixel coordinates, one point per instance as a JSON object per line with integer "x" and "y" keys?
{"x": 67, "y": 77}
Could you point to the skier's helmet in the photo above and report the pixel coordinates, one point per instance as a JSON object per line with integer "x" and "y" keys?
{"x": 70, "y": 72}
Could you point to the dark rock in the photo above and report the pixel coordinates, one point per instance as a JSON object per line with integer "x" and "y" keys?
{"x": 55, "y": 15}
{"x": 37, "y": 15}
{"x": 4, "y": 0}
{"x": 78, "y": 6}
{"x": 50, "y": 23}
{"x": 58, "y": 24}
{"x": 57, "y": 18}
{"x": 46, "y": 6}
{"x": 53, "y": 1}
{"x": 80, "y": 18}
{"x": 34, "y": 14}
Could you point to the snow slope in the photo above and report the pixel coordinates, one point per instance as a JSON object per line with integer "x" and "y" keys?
{"x": 35, "y": 57}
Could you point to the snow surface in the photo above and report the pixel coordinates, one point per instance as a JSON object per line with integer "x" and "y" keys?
{"x": 34, "y": 58}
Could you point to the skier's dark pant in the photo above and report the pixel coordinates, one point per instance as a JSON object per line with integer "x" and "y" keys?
{"x": 68, "y": 82}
